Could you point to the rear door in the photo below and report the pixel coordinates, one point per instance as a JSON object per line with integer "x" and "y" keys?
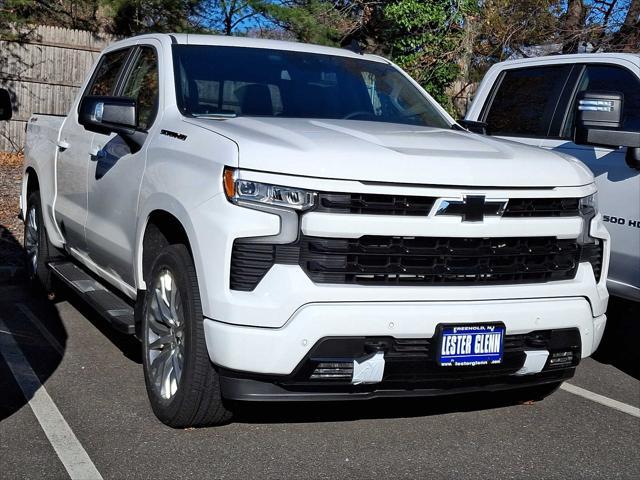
{"x": 618, "y": 183}
{"x": 523, "y": 101}
{"x": 74, "y": 154}
{"x": 115, "y": 172}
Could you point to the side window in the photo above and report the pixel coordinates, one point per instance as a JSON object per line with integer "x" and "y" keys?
{"x": 610, "y": 78}
{"x": 142, "y": 86}
{"x": 526, "y": 100}
{"x": 106, "y": 76}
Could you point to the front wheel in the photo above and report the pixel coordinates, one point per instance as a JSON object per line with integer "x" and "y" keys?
{"x": 183, "y": 386}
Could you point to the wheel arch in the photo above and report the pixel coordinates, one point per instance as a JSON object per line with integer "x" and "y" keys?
{"x": 163, "y": 221}
{"x": 32, "y": 182}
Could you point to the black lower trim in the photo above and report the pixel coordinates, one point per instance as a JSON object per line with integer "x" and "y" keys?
{"x": 411, "y": 369}
{"x": 245, "y": 389}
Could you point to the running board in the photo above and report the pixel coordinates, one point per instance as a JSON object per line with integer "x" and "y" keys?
{"x": 113, "y": 308}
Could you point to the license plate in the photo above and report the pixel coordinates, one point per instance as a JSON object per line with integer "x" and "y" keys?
{"x": 470, "y": 345}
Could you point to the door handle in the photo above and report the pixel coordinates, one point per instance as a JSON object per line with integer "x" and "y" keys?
{"x": 63, "y": 145}
{"x": 97, "y": 152}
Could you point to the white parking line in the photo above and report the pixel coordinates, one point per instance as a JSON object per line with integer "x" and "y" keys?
{"x": 62, "y": 439}
{"x": 43, "y": 330}
{"x": 601, "y": 399}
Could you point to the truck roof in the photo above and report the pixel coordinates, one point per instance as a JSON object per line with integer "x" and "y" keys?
{"x": 230, "y": 41}
{"x": 577, "y": 57}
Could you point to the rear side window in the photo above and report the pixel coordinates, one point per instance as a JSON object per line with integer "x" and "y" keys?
{"x": 142, "y": 86}
{"x": 106, "y": 76}
{"x": 610, "y": 78}
{"x": 525, "y": 101}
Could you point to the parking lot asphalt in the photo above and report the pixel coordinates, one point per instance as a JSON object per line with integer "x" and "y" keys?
{"x": 93, "y": 377}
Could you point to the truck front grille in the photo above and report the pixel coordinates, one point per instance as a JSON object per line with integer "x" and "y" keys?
{"x": 387, "y": 260}
{"x": 376, "y": 204}
{"x": 377, "y": 260}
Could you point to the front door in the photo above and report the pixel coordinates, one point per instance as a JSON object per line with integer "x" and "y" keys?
{"x": 115, "y": 174}
{"x": 74, "y": 153}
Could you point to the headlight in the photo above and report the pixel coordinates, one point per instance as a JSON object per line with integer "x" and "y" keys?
{"x": 588, "y": 208}
{"x": 589, "y": 205}
{"x": 592, "y": 249}
{"x": 239, "y": 191}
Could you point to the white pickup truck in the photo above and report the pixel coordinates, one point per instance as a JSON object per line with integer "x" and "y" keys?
{"x": 281, "y": 221}
{"x": 549, "y": 102}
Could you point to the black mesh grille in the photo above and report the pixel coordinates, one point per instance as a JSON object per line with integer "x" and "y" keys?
{"x": 373, "y": 204}
{"x": 415, "y": 359}
{"x": 542, "y": 207}
{"x": 376, "y": 260}
{"x": 376, "y": 204}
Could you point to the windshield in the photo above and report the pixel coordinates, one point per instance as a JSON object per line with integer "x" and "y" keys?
{"x": 228, "y": 81}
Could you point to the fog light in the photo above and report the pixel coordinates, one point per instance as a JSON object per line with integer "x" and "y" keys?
{"x": 333, "y": 371}
{"x": 561, "y": 359}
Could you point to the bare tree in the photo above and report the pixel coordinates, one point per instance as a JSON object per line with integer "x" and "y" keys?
{"x": 627, "y": 38}
{"x": 226, "y": 16}
{"x": 573, "y": 30}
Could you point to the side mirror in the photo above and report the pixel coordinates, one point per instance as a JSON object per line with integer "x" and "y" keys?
{"x": 5, "y": 105}
{"x": 103, "y": 114}
{"x": 475, "y": 127}
{"x": 599, "y": 119}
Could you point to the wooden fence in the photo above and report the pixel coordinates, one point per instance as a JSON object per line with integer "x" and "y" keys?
{"x": 43, "y": 74}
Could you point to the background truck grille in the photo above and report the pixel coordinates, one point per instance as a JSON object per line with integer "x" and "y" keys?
{"x": 376, "y": 260}
{"x": 376, "y": 204}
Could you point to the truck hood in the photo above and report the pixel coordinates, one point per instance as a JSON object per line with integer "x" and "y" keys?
{"x": 392, "y": 153}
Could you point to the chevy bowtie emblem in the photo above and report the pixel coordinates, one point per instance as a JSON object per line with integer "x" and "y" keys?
{"x": 473, "y": 208}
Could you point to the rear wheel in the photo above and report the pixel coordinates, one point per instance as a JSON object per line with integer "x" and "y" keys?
{"x": 183, "y": 386}
{"x": 36, "y": 244}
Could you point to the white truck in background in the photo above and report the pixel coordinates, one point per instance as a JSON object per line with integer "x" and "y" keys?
{"x": 587, "y": 106}
{"x": 281, "y": 221}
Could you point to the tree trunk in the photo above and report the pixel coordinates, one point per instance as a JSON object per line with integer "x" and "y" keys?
{"x": 572, "y": 28}
{"x": 628, "y": 37}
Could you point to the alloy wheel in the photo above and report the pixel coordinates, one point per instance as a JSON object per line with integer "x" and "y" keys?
{"x": 165, "y": 336}
{"x": 32, "y": 240}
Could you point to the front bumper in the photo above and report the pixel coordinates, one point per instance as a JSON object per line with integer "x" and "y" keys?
{"x": 278, "y": 351}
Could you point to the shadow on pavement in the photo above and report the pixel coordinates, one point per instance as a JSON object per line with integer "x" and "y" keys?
{"x": 619, "y": 346}
{"x": 19, "y": 328}
{"x": 127, "y": 344}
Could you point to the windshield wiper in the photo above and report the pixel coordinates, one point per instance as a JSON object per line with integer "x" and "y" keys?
{"x": 219, "y": 115}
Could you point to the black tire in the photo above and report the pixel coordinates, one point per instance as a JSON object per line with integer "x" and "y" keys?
{"x": 38, "y": 272}
{"x": 197, "y": 402}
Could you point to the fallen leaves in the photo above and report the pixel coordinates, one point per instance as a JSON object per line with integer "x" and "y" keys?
{"x": 11, "y": 253}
